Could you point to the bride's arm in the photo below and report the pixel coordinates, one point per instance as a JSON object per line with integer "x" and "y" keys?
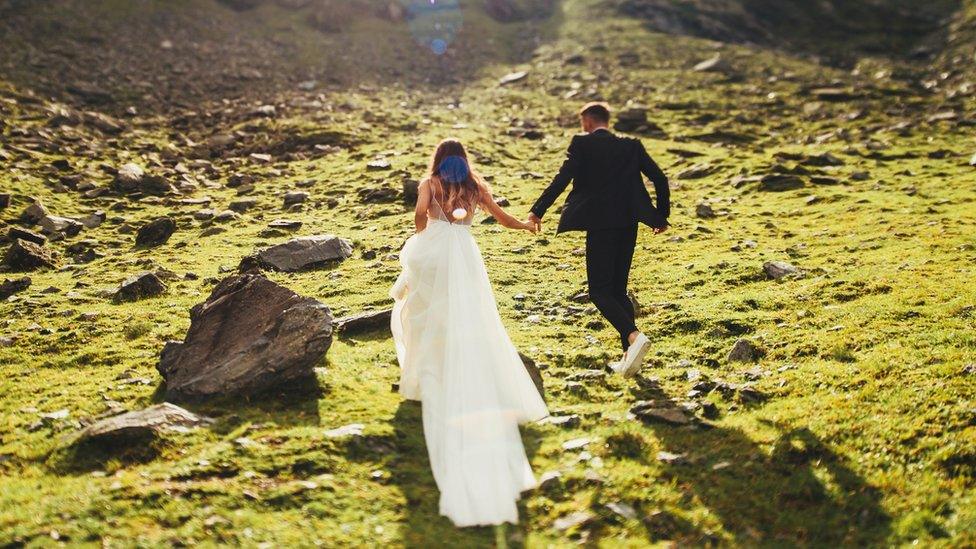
{"x": 503, "y": 217}
{"x": 423, "y": 203}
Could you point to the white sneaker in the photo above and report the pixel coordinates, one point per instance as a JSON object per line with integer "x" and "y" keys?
{"x": 634, "y": 358}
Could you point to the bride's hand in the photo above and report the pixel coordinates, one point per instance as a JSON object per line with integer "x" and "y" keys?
{"x": 531, "y": 227}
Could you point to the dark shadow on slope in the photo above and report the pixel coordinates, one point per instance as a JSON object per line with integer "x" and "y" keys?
{"x": 838, "y": 30}
{"x": 800, "y": 493}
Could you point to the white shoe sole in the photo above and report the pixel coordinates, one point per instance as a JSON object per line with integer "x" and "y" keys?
{"x": 630, "y": 370}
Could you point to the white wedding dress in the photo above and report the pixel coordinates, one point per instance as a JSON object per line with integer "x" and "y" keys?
{"x": 456, "y": 358}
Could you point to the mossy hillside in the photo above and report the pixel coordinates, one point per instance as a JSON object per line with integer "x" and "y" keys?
{"x": 864, "y": 437}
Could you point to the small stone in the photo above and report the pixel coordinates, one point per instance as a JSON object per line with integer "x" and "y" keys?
{"x": 777, "y": 270}
{"x": 353, "y": 429}
{"x": 27, "y": 256}
{"x": 242, "y": 205}
{"x": 573, "y": 520}
{"x": 780, "y": 182}
{"x": 204, "y": 215}
{"x": 140, "y": 286}
{"x": 4, "y": 201}
{"x": 713, "y": 64}
{"x": 411, "y": 190}
{"x": 576, "y": 443}
{"x": 671, "y": 459}
{"x": 550, "y": 480}
{"x": 286, "y": 224}
{"x": 295, "y": 197}
{"x": 566, "y": 422}
{"x": 378, "y": 165}
{"x": 512, "y": 77}
{"x": 52, "y": 225}
{"x": 743, "y": 351}
{"x": 34, "y": 213}
{"x": 10, "y": 287}
{"x": 704, "y": 211}
{"x": 654, "y": 412}
{"x": 155, "y": 233}
{"x": 622, "y": 509}
{"x": 30, "y": 236}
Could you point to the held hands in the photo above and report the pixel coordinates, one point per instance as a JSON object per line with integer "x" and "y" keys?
{"x": 659, "y": 230}
{"x": 535, "y": 221}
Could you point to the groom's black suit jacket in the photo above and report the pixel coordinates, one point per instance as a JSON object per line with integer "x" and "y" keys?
{"x": 608, "y": 190}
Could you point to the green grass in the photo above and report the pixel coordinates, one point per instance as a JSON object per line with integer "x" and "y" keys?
{"x": 865, "y": 438}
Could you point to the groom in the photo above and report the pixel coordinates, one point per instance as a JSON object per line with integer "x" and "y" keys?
{"x": 608, "y": 201}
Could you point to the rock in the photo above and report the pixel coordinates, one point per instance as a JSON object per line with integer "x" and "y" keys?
{"x": 133, "y": 179}
{"x": 697, "y": 171}
{"x": 93, "y": 220}
{"x": 295, "y": 197}
{"x": 140, "y": 286}
{"x": 156, "y": 232}
{"x": 225, "y": 216}
{"x": 704, "y": 211}
{"x": 4, "y": 201}
{"x": 242, "y": 205}
{"x": 712, "y": 64}
{"x": 34, "y": 213}
{"x": 671, "y": 459}
{"x": 52, "y": 225}
{"x": 303, "y": 253}
{"x": 622, "y": 509}
{"x": 351, "y": 430}
{"x": 822, "y": 160}
{"x": 104, "y": 123}
{"x": 650, "y": 411}
{"x": 286, "y": 224}
{"x": 411, "y": 190}
{"x": 567, "y": 422}
{"x": 10, "y": 287}
{"x": 972, "y": 161}
{"x": 576, "y": 443}
{"x": 743, "y": 351}
{"x": 13, "y": 233}
{"x": 204, "y": 215}
{"x": 834, "y": 94}
{"x": 550, "y": 480}
{"x": 27, "y": 256}
{"x": 250, "y": 335}
{"x": 378, "y": 165}
{"x": 534, "y": 373}
{"x": 574, "y": 520}
{"x": 780, "y": 182}
{"x": 364, "y": 322}
{"x": 779, "y": 269}
{"x": 512, "y": 77}
{"x": 141, "y": 424}
{"x": 378, "y": 195}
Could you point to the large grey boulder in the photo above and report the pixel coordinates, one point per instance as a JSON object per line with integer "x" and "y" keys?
{"x": 302, "y": 253}
{"x": 250, "y": 335}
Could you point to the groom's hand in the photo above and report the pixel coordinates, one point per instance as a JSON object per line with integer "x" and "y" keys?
{"x": 659, "y": 230}
{"x": 535, "y": 221}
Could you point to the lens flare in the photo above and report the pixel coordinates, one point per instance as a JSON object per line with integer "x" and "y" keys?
{"x": 434, "y": 23}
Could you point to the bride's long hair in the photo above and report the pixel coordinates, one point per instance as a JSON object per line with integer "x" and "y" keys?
{"x": 466, "y": 193}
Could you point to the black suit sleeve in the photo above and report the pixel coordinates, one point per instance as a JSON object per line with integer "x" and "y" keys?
{"x": 559, "y": 183}
{"x": 649, "y": 168}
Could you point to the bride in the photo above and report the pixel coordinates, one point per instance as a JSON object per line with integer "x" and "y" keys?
{"x": 455, "y": 356}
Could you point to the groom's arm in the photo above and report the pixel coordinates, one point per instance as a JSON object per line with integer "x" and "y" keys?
{"x": 661, "y": 188}
{"x": 559, "y": 183}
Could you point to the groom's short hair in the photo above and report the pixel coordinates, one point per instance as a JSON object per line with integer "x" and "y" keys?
{"x": 597, "y": 110}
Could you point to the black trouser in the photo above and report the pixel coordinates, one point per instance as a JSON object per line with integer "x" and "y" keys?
{"x": 609, "y": 253}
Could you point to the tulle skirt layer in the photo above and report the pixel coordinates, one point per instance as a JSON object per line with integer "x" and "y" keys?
{"x": 457, "y": 359}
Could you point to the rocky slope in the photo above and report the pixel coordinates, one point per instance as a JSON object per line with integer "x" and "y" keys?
{"x": 812, "y": 307}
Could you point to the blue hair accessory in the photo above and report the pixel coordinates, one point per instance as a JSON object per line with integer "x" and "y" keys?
{"x": 453, "y": 169}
